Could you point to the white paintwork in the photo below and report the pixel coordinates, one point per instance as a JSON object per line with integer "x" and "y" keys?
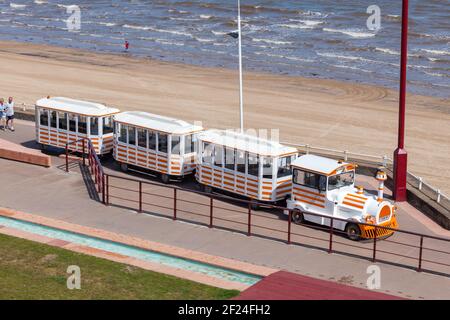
{"x": 76, "y": 106}
{"x": 156, "y": 122}
{"x": 245, "y": 142}
{"x": 315, "y": 163}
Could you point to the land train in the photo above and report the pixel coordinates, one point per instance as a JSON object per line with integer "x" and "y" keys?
{"x": 314, "y": 188}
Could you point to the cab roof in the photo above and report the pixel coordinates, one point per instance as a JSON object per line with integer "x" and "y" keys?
{"x": 321, "y": 165}
{"x": 76, "y": 106}
{"x": 245, "y": 142}
{"x": 156, "y": 122}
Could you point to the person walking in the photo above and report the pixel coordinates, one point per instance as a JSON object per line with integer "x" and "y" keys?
{"x": 2, "y": 114}
{"x": 10, "y": 114}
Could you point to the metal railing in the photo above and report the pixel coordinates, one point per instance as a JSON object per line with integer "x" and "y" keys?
{"x": 94, "y": 165}
{"x": 214, "y": 211}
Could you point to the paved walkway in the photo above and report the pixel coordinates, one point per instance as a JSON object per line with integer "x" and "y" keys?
{"x": 284, "y": 285}
{"x": 50, "y": 192}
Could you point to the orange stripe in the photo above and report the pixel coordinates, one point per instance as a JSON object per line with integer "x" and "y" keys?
{"x": 309, "y": 197}
{"x": 353, "y": 205}
{"x": 356, "y": 196}
{"x": 311, "y": 203}
{"x": 354, "y": 200}
{"x": 310, "y": 192}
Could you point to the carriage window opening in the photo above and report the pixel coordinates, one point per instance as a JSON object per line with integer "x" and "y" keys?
{"x": 94, "y": 126}
{"x": 218, "y": 152}
{"x": 152, "y": 140}
{"x": 229, "y": 158}
{"x": 189, "y": 144}
{"x": 62, "y": 116}
{"x": 82, "y": 125}
{"x": 72, "y": 122}
{"x": 240, "y": 161}
{"x": 208, "y": 150}
{"x": 107, "y": 125}
{"x": 43, "y": 116}
{"x": 142, "y": 137}
{"x": 284, "y": 167}
{"x": 176, "y": 144}
{"x": 132, "y": 136}
{"x": 267, "y": 167}
{"x": 53, "y": 119}
{"x": 162, "y": 142}
{"x": 311, "y": 180}
{"x": 123, "y": 133}
{"x": 253, "y": 164}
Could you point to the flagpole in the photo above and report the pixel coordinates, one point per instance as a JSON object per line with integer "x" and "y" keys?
{"x": 241, "y": 94}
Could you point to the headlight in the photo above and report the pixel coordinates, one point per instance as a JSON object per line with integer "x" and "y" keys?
{"x": 370, "y": 219}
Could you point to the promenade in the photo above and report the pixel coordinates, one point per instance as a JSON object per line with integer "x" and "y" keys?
{"x": 51, "y": 192}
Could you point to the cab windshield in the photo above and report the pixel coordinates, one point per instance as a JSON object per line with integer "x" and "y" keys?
{"x": 341, "y": 180}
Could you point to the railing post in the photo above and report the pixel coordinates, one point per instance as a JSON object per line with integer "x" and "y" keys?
{"x": 374, "y": 245}
{"x": 289, "y": 226}
{"x": 103, "y": 189}
{"x": 419, "y": 269}
{"x": 107, "y": 190}
{"x": 211, "y": 205}
{"x": 67, "y": 158}
{"x": 330, "y": 248}
{"x": 140, "y": 196}
{"x": 83, "y": 154}
{"x": 249, "y": 220}
{"x": 345, "y": 155}
{"x": 174, "y": 204}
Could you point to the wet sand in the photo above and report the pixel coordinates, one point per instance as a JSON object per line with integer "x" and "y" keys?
{"x": 325, "y": 113}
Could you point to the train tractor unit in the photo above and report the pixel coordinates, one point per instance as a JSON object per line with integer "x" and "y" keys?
{"x": 327, "y": 187}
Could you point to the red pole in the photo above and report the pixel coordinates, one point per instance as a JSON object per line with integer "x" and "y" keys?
{"x": 400, "y": 155}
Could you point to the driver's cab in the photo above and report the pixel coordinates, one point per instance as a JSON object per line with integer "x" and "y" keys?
{"x": 317, "y": 185}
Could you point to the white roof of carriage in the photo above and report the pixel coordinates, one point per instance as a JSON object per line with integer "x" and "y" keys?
{"x": 76, "y": 106}
{"x": 318, "y": 164}
{"x": 156, "y": 122}
{"x": 245, "y": 142}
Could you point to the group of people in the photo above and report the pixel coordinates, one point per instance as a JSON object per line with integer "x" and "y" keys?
{"x": 7, "y": 114}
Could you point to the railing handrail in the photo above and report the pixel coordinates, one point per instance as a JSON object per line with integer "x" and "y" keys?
{"x": 247, "y": 202}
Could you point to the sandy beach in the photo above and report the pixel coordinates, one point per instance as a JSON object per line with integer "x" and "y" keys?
{"x": 325, "y": 113}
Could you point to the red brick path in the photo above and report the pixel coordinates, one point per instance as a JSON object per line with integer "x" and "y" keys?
{"x": 284, "y": 285}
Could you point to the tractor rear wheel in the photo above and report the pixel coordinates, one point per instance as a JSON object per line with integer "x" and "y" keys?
{"x": 353, "y": 231}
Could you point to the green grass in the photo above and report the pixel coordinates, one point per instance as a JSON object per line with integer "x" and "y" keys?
{"x": 30, "y": 270}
